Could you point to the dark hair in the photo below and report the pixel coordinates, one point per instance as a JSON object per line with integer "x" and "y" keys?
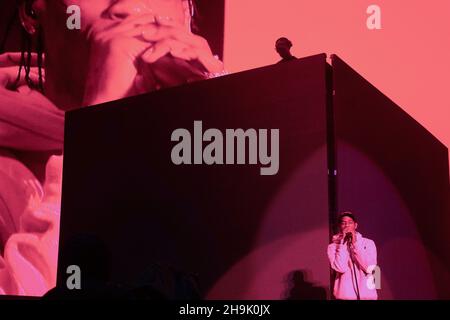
{"x": 194, "y": 11}
{"x": 11, "y": 22}
{"x": 27, "y": 47}
{"x": 192, "y": 7}
{"x": 346, "y": 214}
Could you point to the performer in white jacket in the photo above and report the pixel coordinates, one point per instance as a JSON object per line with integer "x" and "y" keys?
{"x": 353, "y": 258}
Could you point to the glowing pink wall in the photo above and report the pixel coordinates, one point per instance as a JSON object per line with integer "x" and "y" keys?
{"x": 408, "y": 60}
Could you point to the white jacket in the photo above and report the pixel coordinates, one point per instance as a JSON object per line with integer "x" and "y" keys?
{"x": 364, "y": 253}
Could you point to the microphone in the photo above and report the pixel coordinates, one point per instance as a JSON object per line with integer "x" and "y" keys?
{"x": 348, "y": 238}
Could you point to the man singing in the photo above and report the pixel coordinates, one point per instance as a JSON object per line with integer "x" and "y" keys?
{"x": 353, "y": 259}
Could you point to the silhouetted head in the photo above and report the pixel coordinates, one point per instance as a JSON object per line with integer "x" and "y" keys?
{"x": 283, "y": 47}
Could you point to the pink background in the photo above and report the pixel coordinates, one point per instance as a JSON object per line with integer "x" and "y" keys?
{"x": 408, "y": 59}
